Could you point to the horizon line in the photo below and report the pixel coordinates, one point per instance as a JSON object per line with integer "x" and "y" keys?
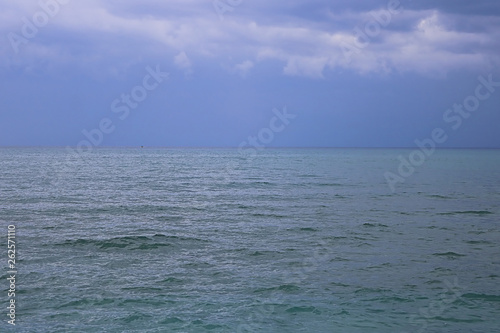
{"x": 236, "y": 147}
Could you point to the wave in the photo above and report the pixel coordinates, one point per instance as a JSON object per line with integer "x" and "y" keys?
{"x": 468, "y": 212}
{"x": 300, "y": 309}
{"x": 478, "y": 242}
{"x": 308, "y": 229}
{"x": 283, "y": 288}
{"x": 380, "y": 225}
{"x": 449, "y": 254}
{"x": 171, "y": 320}
{"x": 438, "y": 196}
{"x": 132, "y": 242}
{"x": 482, "y": 297}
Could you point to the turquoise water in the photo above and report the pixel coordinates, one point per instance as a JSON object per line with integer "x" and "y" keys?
{"x": 291, "y": 240}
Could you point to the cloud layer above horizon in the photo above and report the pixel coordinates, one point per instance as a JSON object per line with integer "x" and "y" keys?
{"x": 313, "y": 41}
{"x": 309, "y": 38}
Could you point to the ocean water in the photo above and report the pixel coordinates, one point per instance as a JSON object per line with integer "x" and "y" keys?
{"x": 288, "y": 240}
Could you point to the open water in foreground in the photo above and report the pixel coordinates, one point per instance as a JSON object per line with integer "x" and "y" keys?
{"x": 292, "y": 240}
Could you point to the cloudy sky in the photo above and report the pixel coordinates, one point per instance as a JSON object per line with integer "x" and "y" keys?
{"x": 210, "y": 73}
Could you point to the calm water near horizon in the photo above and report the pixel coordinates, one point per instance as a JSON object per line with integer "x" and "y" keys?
{"x": 290, "y": 240}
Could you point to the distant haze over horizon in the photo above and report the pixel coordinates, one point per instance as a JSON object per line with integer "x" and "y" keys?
{"x": 250, "y": 74}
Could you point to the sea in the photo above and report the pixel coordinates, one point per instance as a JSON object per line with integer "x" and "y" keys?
{"x": 277, "y": 240}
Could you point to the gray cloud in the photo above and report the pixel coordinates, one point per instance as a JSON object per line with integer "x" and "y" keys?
{"x": 306, "y": 36}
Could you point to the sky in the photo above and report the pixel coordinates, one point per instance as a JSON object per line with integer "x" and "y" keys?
{"x": 227, "y": 73}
